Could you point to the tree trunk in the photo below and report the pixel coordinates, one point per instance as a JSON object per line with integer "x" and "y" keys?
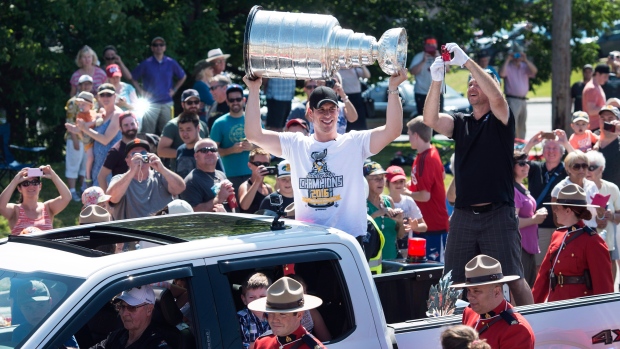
{"x": 561, "y": 67}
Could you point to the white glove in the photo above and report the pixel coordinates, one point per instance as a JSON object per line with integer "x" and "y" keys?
{"x": 460, "y": 57}
{"x": 437, "y": 69}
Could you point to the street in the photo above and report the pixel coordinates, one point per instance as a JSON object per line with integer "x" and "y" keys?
{"x": 538, "y": 116}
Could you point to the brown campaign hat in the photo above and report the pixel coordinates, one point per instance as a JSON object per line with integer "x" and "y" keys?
{"x": 285, "y": 296}
{"x": 571, "y": 195}
{"x": 484, "y": 270}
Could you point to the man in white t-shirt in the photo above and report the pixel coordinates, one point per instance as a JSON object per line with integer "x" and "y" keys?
{"x": 327, "y": 185}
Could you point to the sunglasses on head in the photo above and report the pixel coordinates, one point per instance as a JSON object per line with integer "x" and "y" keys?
{"x": 215, "y": 87}
{"x": 593, "y": 168}
{"x": 106, "y": 94}
{"x": 207, "y": 150}
{"x": 258, "y": 163}
{"x": 233, "y": 100}
{"x": 130, "y": 308}
{"x": 158, "y": 45}
{"x": 35, "y": 182}
{"x": 522, "y": 163}
{"x": 192, "y": 102}
{"x": 576, "y": 167}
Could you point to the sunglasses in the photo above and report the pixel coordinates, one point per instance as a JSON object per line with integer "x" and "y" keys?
{"x": 192, "y": 102}
{"x": 522, "y": 163}
{"x": 215, "y": 87}
{"x": 614, "y": 57}
{"x": 258, "y": 163}
{"x": 233, "y": 100}
{"x": 158, "y": 45}
{"x": 106, "y": 94}
{"x": 593, "y": 168}
{"x": 207, "y": 150}
{"x": 576, "y": 167}
{"x": 35, "y": 182}
{"x": 310, "y": 87}
{"x": 130, "y": 308}
{"x": 109, "y": 58}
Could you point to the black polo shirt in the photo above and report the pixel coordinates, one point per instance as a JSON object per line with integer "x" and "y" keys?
{"x": 484, "y": 159}
{"x": 612, "y": 161}
{"x": 537, "y": 179}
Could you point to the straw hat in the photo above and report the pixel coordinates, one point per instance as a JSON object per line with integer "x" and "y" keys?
{"x": 285, "y": 296}
{"x": 215, "y": 54}
{"x": 484, "y": 270}
{"x": 94, "y": 214}
{"x": 572, "y": 195}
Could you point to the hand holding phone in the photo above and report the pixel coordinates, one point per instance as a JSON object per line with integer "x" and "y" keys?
{"x": 607, "y": 126}
{"x": 35, "y": 172}
{"x": 547, "y": 135}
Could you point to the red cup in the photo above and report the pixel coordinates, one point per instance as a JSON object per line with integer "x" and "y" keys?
{"x": 416, "y": 248}
{"x": 232, "y": 201}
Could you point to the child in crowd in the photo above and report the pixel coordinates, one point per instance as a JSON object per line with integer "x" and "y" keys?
{"x": 413, "y": 221}
{"x": 461, "y": 336}
{"x": 85, "y": 102}
{"x": 253, "y": 323}
{"x": 583, "y": 138}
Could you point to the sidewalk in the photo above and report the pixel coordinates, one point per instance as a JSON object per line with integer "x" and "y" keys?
{"x": 539, "y": 100}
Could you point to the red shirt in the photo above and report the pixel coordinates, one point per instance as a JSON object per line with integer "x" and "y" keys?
{"x": 585, "y": 252}
{"x": 427, "y": 174}
{"x": 271, "y": 341}
{"x": 502, "y": 335}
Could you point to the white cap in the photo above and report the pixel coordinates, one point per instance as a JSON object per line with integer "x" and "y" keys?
{"x": 85, "y": 78}
{"x": 179, "y": 206}
{"x": 138, "y": 295}
{"x": 284, "y": 168}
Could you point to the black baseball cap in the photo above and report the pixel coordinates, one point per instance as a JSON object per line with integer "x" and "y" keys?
{"x": 602, "y": 69}
{"x": 189, "y": 93}
{"x": 137, "y": 143}
{"x": 321, "y": 95}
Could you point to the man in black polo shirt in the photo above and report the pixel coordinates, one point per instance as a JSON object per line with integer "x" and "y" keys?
{"x": 610, "y": 144}
{"x": 484, "y": 219}
{"x": 115, "y": 160}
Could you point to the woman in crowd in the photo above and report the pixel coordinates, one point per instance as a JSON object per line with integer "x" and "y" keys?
{"x": 126, "y": 96}
{"x": 88, "y": 64}
{"x": 105, "y": 134}
{"x": 576, "y": 165}
{"x": 203, "y": 72}
{"x": 586, "y": 267}
{"x": 254, "y": 190}
{"x": 381, "y": 208}
{"x": 529, "y": 217}
{"x": 607, "y": 217}
{"x": 462, "y": 337}
{"x": 28, "y": 211}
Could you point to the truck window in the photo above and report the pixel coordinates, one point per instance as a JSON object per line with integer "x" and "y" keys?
{"x": 333, "y": 320}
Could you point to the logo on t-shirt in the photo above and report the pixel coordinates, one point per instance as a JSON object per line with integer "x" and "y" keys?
{"x": 320, "y": 183}
{"x": 414, "y": 180}
{"x": 237, "y": 133}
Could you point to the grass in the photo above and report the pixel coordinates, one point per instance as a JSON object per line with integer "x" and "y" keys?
{"x": 457, "y": 79}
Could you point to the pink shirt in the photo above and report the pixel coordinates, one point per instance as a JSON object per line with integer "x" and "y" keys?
{"x": 517, "y": 81}
{"x": 529, "y": 235}
{"x": 99, "y": 78}
{"x": 584, "y": 141}
{"x": 593, "y": 94}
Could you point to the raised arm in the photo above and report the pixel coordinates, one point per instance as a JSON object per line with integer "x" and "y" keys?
{"x": 8, "y": 209}
{"x": 440, "y": 122}
{"x": 384, "y": 135}
{"x": 176, "y": 185}
{"x": 266, "y": 139}
{"x": 59, "y": 203}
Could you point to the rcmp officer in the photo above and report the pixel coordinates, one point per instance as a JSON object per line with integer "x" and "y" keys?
{"x": 488, "y": 312}
{"x": 577, "y": 262}
{"x": 285, "y": 305}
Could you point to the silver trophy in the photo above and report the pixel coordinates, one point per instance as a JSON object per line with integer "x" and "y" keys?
{"x": 311, "y": 46}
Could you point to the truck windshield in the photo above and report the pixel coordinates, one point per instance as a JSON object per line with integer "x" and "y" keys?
{"x": 27, "y": 300}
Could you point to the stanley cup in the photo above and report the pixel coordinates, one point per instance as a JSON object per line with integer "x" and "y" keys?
{"x": 311, "y": 46}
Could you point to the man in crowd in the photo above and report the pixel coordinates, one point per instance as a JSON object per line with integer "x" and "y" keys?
{"x": 218, "y": 59}
{"x": 218, "y": 86}
{"x": 146, "y": 178}
{"x": 75, "y": 157}
{"x": 326, "y": 190}
{"x": 420, "y": 65}
{"x": 189, "y": 131}
{"x": 427, "y": 188}
{"x": 517, "y": 72}
{"x": 199, "y": 183}
{"x": 115, "y": 160}
{"x": 285, "y": 305}
{"x": 484, "y": 218}
{"x": 279, "y": 93}
{"x": 488, "y": 312}
{"x": 610, "y": 143}
{"x": 576, "y": 91}
{"x": 170, "y": 138}
{"x": 612, "y": 87}
{"x": 593, "y": 97}
{"x": 228, "y": 132}
{"x": 135, "y": 308}
{"x": 157, "y": 73}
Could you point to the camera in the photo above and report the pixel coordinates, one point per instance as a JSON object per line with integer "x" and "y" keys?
{"x": 517, "y": 55}
{"x": 271, "y": 170}
{"x": 330, "y": 83}
{"x": 445, "y": 55}
{"x": 276, "y": 200}
{"x": 609, "y": 127}
{"x": 145, "y": 157}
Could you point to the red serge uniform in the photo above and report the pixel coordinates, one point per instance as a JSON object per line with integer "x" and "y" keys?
{"x": 500, "y": 334}
{"x": 299, "y": 339}
{"x": 588, "y": 251}
{"x": 427, "y": 174}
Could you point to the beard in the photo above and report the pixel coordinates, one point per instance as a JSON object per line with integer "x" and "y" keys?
{"x": 130, "y": 134}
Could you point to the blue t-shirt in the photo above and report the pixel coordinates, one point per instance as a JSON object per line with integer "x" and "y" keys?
{"x": 227, "y": 131}
{"x": 157, "y": 77}
{"x": 185, "y": 160}
{"x": 205, "y": 93}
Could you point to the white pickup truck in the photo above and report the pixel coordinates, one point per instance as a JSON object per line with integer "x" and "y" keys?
{"x": 84, "y": 267}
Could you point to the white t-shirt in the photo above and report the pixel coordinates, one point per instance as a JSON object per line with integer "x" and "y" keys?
{"x": 613, "y": 204}
{"x": 328, "y": 179}
{"x": 408, "y": 205}
{"x": 590, "y": 189}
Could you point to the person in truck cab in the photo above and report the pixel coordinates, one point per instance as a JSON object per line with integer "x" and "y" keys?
{"x": 488, "y": 312}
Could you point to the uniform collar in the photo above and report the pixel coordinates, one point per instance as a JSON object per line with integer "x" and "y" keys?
{"x": 501, "y": 307}
{"x": 298, "y": 333}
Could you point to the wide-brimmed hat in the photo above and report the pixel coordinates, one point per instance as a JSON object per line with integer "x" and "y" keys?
{"x": 285, "y": 296}
{"x": 94, "y": 214}
{"x": 215, "y": 54}
{"x": 571, "y": 195}
{"x": 484, "y": 270}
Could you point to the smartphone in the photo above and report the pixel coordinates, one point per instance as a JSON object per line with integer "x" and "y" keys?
{"x": 609, "y": 127}
{"x": 271, "y": 170}
{"x": 35, "y": 172}
{"x": 548, "y": 135}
